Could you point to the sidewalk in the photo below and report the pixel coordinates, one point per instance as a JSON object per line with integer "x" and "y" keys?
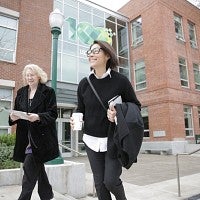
{"x": 152, "y": 178}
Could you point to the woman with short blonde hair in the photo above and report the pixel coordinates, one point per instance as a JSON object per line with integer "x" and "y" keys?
{"x": 39, "y": 71}
{"x": 36, "y": 135}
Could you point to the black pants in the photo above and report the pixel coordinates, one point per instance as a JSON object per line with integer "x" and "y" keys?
{"x": 106, "y": 172}
{"x": 34, "y": 171}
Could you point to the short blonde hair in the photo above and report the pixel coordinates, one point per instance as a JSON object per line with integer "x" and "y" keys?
{"x": 39, "y": 71}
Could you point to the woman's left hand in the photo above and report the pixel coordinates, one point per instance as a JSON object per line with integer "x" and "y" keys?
{"x": 111, "y": 113}
{"x": 32, "y": 117}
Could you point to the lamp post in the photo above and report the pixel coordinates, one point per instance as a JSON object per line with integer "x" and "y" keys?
{"x": 56, "y": 20}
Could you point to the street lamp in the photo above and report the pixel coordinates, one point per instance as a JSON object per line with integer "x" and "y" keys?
{"x": 56, "y": 20}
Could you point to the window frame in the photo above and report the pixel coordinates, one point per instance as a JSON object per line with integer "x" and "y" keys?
{"x": 179, "y": 36}
{"x": 8, "y": 99}
{"x": 193, "y": 43}
{"x": 136, "y": 41}
{"x": 197, "y": 85}
{"x": 190, "y": 121}
{"x": 135, "y": 75}
{"x": 181, "y": 66}
{"x": 145, "y": 113}
{"x": 12, "y": 15}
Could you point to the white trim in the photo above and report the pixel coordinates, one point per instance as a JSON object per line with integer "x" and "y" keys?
{"x": 7, "y": 83}
{"x": 9, "y": 12}
{"x": 66, "y": 105}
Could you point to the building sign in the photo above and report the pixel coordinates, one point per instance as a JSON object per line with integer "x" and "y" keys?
{"x": 87, "y": 33}
{"x": 159, "y": 134}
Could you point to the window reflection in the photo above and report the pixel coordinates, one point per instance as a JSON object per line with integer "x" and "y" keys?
{"x": 69, "y": 68}
{"x": 122, "y": 41}
{"x": 78, "y": 32}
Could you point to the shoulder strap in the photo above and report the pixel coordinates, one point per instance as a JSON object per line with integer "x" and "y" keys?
{"x": 96, "y": 94}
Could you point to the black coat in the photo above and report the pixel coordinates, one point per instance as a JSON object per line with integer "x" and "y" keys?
{"x": 43, "y": 133}
{"x": 126, "y": 139}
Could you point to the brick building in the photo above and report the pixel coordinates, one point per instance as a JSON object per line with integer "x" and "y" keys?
{"x": 165, "y": 58}
{"x": 162, "y": 60}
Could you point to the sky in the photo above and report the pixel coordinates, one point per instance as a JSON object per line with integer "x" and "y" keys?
{"x": 115, "y": 5}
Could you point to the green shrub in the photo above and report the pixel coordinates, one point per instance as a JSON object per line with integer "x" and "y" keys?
{"x": 8, "y": 139}
{"x": 6, "y": 152}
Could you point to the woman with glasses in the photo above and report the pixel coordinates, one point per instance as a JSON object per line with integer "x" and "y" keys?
{"x": 108, "y": 83}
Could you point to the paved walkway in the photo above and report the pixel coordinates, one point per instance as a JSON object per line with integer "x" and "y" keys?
{"x": 152, "y": 178}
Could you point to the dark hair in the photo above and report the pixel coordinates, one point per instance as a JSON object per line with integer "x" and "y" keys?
{"x": 113, "y": 62}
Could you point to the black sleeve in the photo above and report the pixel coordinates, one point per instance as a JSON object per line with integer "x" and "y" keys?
{"x": 81, "y": 106}
{"x": 128, "y": 93}
{"x": 16, "y": 104}
{"x": 50, "y": 113}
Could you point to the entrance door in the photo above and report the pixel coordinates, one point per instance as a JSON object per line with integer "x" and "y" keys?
{"x": 63, "y": 129}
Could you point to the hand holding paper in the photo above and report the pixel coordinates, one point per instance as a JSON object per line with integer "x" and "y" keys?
{"x": 115, "y": 100}
{"x": 15, "y": 114}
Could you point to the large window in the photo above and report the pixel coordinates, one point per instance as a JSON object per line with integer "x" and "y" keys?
{"x": 183, "y": 72}
{"x": 145, "y": 117}
{"x": 137, "y": 36}
{"x": 122, "y": 36}
{"x": 189, "y": 130}
{"x": 178, "y": 27}
{"x": 8, "y": 38}
{"x": 140, "y": 75}
{"x": 5, "y": 105}
{"x": 84, "y": 23}
{"x": 196, "y": 70}
{"x": 192, "y": 35}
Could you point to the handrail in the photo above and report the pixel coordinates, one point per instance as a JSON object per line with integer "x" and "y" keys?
{"x": 177, "y": 168}
{"x": 70, "y": 149}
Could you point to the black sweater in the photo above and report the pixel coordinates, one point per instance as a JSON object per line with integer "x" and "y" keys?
{"x": 96, "y": 122}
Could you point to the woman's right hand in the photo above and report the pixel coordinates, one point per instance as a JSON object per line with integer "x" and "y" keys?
{"x": 13, "y": 117}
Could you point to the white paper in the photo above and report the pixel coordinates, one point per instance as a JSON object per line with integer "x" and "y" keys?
{"x": 20, "y": 114}
{"x": 115, "y": 100}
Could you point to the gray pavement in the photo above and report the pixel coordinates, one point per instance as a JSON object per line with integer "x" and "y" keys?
{"x": 153, "y": 177}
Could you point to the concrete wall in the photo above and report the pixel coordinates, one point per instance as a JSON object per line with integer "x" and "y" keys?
{"x": 68, "y": 178}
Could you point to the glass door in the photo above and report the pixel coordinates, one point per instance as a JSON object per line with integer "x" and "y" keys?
{"x": 64, "y": 131}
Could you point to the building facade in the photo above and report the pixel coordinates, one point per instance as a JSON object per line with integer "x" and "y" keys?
{"x": 157, "y": 43}
{"x": 165, "y": 66}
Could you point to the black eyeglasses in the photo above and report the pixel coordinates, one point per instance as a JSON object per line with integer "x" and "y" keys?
{"x": 94, "y": 51}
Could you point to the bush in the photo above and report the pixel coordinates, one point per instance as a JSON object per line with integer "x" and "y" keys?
{"x": 8, "y": 139}
{"x": 6, "y": 152}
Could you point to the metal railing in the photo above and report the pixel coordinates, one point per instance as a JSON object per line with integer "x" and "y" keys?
{"x": 177, "y": 168}
{"x": 70, "y": 149}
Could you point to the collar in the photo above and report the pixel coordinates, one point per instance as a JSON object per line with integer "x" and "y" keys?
{"x": 107, "y": 73}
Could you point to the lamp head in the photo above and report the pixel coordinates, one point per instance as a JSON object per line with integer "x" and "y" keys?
{"x": 56, "y": 19}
